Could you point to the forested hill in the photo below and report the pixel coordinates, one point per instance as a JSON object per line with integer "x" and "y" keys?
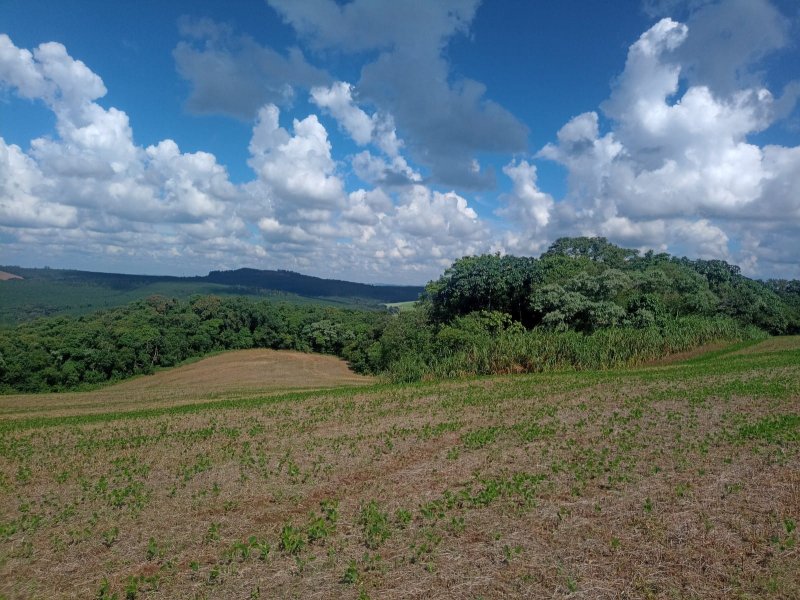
{"x": 49, "y": 292}
{"x": 305, "y": 285}
{"x": 281, "y": 281}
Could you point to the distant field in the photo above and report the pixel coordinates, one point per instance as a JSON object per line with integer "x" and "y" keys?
{"x": 226, "y": 376}
{"x": 402, "y": 306}
{"x": 678, "y": 480}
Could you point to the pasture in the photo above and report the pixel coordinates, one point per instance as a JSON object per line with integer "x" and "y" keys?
{"x": 675, "y": 480}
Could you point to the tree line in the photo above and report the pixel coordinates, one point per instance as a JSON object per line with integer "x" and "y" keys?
{"x": 65, "y": 353}
{"x": 584, "y": 303}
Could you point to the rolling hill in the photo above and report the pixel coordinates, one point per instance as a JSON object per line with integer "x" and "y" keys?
{"x": 29, "y": 293}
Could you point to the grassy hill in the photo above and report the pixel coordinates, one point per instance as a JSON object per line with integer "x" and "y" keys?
{"x": 670, "y": 481}
{"x": 48, "y": 292}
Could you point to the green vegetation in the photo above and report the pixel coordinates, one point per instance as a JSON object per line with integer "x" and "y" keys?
{"x": 51, "y": 292}
{"x": 584, "y": 304}
{"x": 62, "y": 353}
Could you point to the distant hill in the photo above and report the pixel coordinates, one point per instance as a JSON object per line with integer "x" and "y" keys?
{"x": 30, "y": 293}
{"x": 305, "y": 285}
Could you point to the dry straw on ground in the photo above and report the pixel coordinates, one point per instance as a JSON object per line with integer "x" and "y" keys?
{"x": 676, "y": 481}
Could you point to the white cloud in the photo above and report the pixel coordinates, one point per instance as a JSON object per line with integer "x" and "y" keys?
{"x": 91, "y": 189}
{"x": 437, "y": 216}
{"x": 377, "y": 129}
{"x": 21, "y": 184}
{"x": 338, "y": 99}
{"x": 446, "y": 119}
{"x": 527, "y": 204}
{"x": 368, "y": 207}
{"x": 728, "y": 40}
{"x": 299, "y": 168}
{"x": 48, "y": 73}
{"x": 677, "y": 168}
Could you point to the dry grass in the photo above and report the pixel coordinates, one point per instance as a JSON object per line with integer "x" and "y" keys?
{"x": 681, "y": 481}
{"x": 5, "y": 276}
{"x": 230, "y": 375}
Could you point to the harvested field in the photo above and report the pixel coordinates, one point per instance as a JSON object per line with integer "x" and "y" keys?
{"x": 228, "y": 376}
{"x": 675, "y": 481}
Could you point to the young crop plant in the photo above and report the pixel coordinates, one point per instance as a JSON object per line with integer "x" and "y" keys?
{"x": 292, "y": 539}
{"x": 350, "y": 575}
{"x": 402, "y": 518}
{"x": 375, "y": 524}
{"x": 510, "y": 552}
{"x": 212, "y": 534}
{"x": 480, "y": 437}
{"x": 105, "y": 593}
{"x": 153, "y": 550}
{"x": 318, "y": 528}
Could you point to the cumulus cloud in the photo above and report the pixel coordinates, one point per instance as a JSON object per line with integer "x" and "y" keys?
{"x": 338, "y": 100}
{"x": 447, "y": 119}
{"x": 299, "y": 168}
{"x": 234, "y": 75}
{"x": 21, "y": 185}
{"x": 89, "y": 190}
{"x": 677, "y": 169}
{"x": 434, "y": 215}
{"x": 728, "y": 39}
{"x": 526, "y": 203}
{"x": 308, "y": 215}
{"x": 377, "y": 129}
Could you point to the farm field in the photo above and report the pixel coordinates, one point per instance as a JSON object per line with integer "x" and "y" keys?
{"x": 231, "y": 375}
{"x": 677, "y": 480}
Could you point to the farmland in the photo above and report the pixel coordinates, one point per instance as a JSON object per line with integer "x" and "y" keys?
{"x": 229, "y": 375}
{"x": 675, "y": 480}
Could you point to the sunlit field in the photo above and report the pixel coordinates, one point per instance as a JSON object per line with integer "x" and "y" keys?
{"x": 229, "y": 376}
{"x": 677, "y": 480}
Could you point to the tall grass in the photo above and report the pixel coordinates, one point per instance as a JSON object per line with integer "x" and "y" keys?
{"x": 541, "y": 350}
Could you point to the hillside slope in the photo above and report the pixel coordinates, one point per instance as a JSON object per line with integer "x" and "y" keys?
{"x": 676, "y": 481}
{"x": 227, "y": 375}
{"x": 31, "y": 293}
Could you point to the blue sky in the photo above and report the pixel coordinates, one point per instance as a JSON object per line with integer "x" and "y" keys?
{"x": 378, "y": 141}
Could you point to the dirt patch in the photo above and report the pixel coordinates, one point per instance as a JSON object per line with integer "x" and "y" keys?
{"x": 4, "y": 276}
{"x": 774, "y": 344}
{"x": 689, "y": 354}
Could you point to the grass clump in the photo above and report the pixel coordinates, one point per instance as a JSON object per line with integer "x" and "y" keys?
{"x": 375, "y": 524}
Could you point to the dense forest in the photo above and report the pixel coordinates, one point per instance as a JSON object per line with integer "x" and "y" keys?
{"x": 62, "y": 353}
{"x": 585, "y": 303}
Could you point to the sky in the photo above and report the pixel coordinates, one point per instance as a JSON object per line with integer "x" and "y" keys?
{"x": 378, "y": 141}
